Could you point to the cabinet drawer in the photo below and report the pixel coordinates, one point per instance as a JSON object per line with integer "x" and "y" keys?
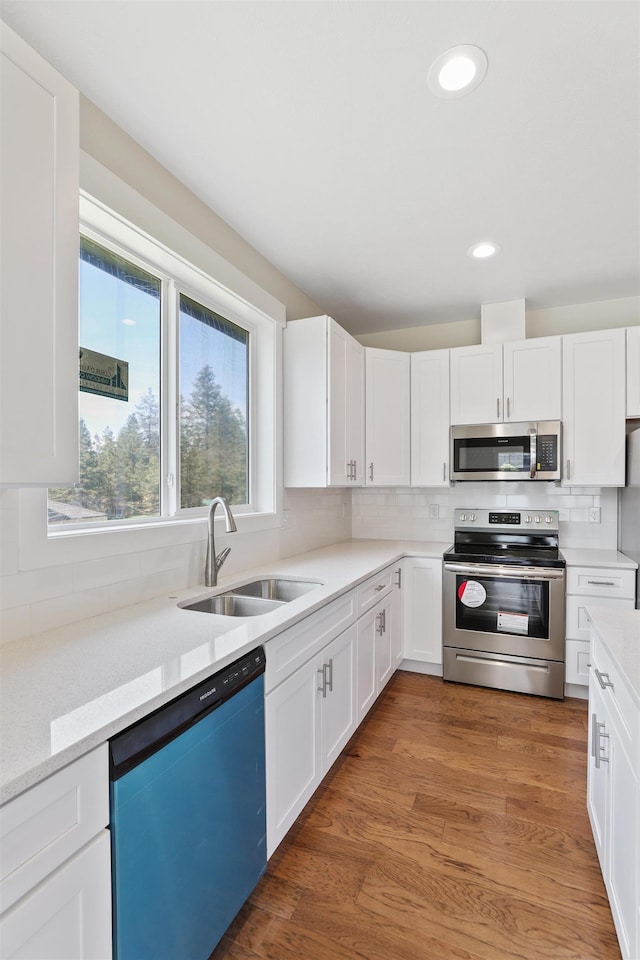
{"x": 578, "y": 622}
{"x": 601, "y": 582}
{"x": 290, "y": 649}
{"x": 577, "y": 662}
{"x": 375, "y": 588}
{"x": 44, "y": 826}
{"x": 616, "y": 696}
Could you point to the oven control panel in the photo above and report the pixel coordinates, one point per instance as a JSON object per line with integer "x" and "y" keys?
{"x": 522, "y": 520}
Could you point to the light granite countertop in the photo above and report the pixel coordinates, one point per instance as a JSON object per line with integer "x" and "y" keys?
{"x": 583, "y": 557}
{"x": 619, "y": 630}
{"x": 65, "y": 691}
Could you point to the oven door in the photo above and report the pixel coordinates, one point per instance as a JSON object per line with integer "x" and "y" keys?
{"x": 517, "y": 611}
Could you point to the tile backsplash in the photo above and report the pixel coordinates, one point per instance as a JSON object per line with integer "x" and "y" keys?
{"x": 427, "y": 514}
{"x": 36, "y": 600}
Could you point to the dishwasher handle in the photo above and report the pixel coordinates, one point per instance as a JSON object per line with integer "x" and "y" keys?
{"x": 147, "y": 736}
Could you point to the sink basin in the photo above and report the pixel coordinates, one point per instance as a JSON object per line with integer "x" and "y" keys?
{"x": 274, "y": 588}
{"x": 232, "y": 605}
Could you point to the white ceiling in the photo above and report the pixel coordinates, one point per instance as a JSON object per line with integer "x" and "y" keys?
{"x": 309, "y": 128}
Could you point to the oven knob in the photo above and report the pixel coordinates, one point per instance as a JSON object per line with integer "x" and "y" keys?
{"x": 527, "y": 519}
{"x": 463, "y": 516}
{"x": 472, "y": 516}
{"x": 537, "y": 518}
{"x": 548, "y": 519}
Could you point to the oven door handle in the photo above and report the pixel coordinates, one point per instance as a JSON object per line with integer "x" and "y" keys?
{"x": 510, "y": 573}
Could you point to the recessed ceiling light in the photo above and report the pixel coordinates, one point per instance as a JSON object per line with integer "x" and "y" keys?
{"x": 480, "y": 251}
{"x": 457, "y": 71}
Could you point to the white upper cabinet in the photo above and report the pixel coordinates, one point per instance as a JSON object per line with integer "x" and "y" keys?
{"x": 633, "y": 371}
{"x": 517, "y": 381}
{"x": 323, "y": 405}
{"x": 39, "y": 187}
{"x": 594, "y": 408}
{"x": 387, "y": 425}
{"x": 430, "y": 418}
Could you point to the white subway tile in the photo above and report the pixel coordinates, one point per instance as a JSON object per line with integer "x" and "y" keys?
{"x": 15, "y": 624}
{"x": 49, "y": 614}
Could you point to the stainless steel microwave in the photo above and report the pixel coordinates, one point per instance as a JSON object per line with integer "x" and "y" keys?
{"x": 506, "y": 451}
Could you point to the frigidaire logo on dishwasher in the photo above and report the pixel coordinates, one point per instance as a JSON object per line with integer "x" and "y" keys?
{"x": 204, "y": 696}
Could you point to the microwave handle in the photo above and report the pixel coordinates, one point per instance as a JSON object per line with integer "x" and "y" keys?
{"x": 534, "y": 456}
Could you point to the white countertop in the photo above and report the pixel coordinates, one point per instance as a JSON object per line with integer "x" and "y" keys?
{"x": 619, "y": 630}
{"x": 66, "y": 691}
{"x": 579, "y": 557}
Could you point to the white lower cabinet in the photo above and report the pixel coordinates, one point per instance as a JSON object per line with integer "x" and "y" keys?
{"x": 308, "y": 719}
{"x": 613, "y": 793}
{"x": 422, "y": 611}
{"x": 55, "y": 887}
{"x": 607, "y": 587}
{"x": 375, "y": 661}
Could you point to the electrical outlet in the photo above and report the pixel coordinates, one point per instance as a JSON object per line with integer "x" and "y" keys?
{"x": 594, "y": 514}
{"x": 286, "y": 519}
{"x": 434, "y": 511}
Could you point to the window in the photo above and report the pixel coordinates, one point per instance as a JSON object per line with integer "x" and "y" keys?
{"x": 165, "y": 389}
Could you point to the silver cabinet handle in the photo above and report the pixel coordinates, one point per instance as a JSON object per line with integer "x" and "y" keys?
{"x": 498, "y": 407}
{"x": 355, "y": 469}
{"x": 444, "y": 470}
{"x": 328, "y": 667}
{"x": 568, "y": 469}
{"x": 384, "y": 621}
{"x": 598, "y": 734}
{"x": 371, "y": 471}
{"x": 508, "y": 407}
{"x": 399, "y": 577}
{"x": 323, "y": 683}
{"x": 380, "y": 587}
{"x": 601, "y": 680}
{"x": 602, "y": 583}
{"x": 379, "y": 627}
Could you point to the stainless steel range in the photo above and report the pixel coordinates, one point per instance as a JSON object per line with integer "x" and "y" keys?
{"x": 504, "y": 602}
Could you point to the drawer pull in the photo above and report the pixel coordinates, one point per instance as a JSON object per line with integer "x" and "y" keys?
{"x": 601, "y": 583}
{"x": 380, "y": 587}
{"x": 598, "y": 734}
{"x": 601, "y": 680}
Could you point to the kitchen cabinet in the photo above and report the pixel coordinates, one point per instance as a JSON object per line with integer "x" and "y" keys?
{"x": 633, "y": 371}
{"x": 605, "y": 586}
{"x": 516, "y": 381}
{"x": 613, "y": 791}
{"x": 309, "y": 709}
{"x": 323, "y": 405}
{"x": 39, "y": 232}
{"x": 387, "y": 413}
{"x": 422, "y": 612}
{"x": 430, "y": 418}
{"x": 377, "y": 638}
{"x": 594, "y": 408}
{"x": 55, "y": 889}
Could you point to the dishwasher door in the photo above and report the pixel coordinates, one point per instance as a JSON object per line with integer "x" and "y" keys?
{"x": 188, "y": 834}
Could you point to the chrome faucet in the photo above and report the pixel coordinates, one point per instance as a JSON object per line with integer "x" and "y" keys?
{"x": 213, "y": 562}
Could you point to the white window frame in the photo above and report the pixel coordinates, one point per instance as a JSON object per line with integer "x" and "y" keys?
{"x": 252, "y": 308}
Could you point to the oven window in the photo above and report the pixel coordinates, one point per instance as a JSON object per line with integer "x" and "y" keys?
{"x": 496, "y": 605}
{"x": 489, "y": 454}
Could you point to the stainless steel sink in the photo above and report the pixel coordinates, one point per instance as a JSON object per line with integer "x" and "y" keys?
{"x": 275, "y": 588}
{"x": 232, "y": 605}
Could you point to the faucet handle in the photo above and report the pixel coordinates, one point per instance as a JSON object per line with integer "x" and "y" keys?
{"x": 222, "y": 556}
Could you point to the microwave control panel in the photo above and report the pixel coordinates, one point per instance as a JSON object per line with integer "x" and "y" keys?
{"x": 547, "y": 453}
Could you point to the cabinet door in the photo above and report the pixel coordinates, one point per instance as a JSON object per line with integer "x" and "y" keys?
{"x": 633, "y": 371}
{"x": 397, "y": 618}
{"x": 623, "y": 835}
{"x": 598, "y": 771}
{"x": 337, "y": 407}
{"x": 366, "y": 662}
{"x": 293, "y": 759}
{"x": 476, "y": 384}
{"x": 338, "y": 695}
{"x": 383, "y": 641}
{"x": 39, "y": 290}
{"x": 423, "y": 609}
{"x": 68, "y": 915}
{"x": 532, "y": 379}
{"x": 354, "y": 372}
{"x": 387, "y": 412}
{"x": 430, "y": 418}
{"x": 593, "y": 405}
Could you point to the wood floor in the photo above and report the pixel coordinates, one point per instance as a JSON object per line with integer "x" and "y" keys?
{"x": 453, "y": 826}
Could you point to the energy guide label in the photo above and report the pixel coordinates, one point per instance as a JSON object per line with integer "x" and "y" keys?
{"x": 471, "y": 593}
{"x": 513, "y": 622}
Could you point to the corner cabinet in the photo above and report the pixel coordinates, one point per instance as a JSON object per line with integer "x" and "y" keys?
{"x": 613, "y": 792}
{"x": 422, "y": 613}
{"x": 516, "y": 381}
{"x": 39, "y": 185}
{"x": 593, "y": 408}
{"x": 430, "y": 418}
{"x": 323, "y": 405}
{"x": 387, "y": 427}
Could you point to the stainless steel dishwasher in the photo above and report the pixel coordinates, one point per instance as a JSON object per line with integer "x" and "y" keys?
{"x": 188, "y": 835}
